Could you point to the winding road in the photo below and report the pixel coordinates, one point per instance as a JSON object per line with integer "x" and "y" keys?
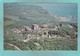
{"x": 16, "y": 47}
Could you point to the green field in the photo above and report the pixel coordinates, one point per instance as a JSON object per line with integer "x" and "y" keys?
{"x": 44, "y": 44}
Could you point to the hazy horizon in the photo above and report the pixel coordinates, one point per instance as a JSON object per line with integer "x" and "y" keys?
{"x": 59, "y": 9}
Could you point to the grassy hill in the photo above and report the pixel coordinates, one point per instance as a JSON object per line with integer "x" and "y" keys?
{"x": 18, "y": 15}
{"x": 25, "y": 14}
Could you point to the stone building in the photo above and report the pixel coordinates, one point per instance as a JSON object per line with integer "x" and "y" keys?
{"x": 35, "y": 27}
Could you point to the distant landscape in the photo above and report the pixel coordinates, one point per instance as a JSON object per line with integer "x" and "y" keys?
{"x": 40, "y": 26}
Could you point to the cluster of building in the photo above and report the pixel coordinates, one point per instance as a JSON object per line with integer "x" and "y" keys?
{"x": 36, "y": 28}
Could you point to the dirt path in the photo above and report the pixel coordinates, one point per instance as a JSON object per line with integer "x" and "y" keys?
{"x": 16, "y": 47}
